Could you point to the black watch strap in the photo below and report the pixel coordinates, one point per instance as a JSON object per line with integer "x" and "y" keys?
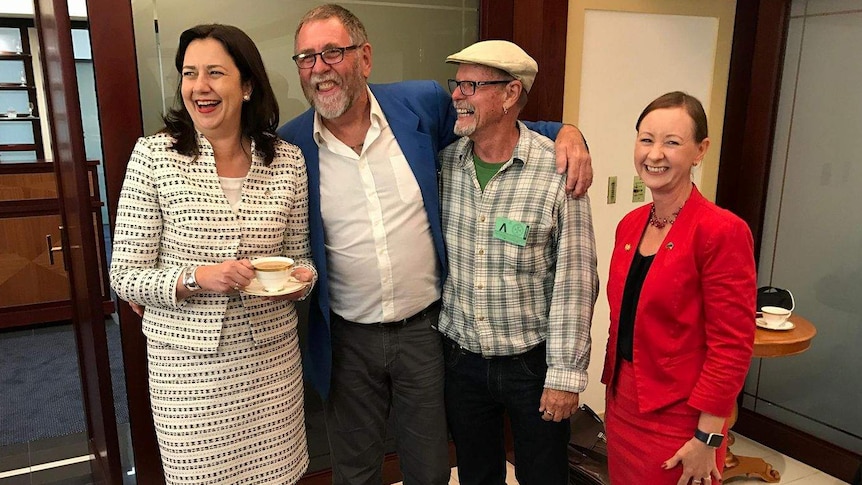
{"x": 713, "y": 440}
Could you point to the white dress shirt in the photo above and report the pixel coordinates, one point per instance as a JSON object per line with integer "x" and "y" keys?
{"x": 379, "y": 249}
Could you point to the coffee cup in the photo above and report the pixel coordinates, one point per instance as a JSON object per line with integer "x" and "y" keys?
{"x": 272, "y": 272}
{"x": 775, "y": 315}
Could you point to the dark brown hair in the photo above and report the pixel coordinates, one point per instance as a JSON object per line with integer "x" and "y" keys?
{"x": 679, "y": 99}
{"x": 259, "y": 117}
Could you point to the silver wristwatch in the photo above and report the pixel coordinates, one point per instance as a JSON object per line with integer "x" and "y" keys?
{"x": 189, "y": 280}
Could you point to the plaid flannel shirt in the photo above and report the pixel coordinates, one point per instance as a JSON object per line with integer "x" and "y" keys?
{"x": 502, "y": 299}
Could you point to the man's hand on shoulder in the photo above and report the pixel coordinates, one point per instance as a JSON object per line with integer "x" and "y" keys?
{"x": 573, "y": 159}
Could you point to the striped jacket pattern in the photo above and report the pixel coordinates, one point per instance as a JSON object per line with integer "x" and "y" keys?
{"x": 173, "y": 214}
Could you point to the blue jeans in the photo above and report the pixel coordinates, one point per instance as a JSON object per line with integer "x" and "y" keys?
{"x": 478, "y": 392}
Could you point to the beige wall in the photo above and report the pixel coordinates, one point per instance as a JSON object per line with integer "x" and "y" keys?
{"x": 621, "y": 54}
{"x": 410, "y": 40}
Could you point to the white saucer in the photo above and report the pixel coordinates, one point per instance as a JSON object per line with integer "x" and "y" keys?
{"x": 255, "y": 288}
{"x": 786, "y": 325}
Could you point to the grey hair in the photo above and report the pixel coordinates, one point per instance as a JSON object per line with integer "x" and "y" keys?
{"x": 354, "y": 26}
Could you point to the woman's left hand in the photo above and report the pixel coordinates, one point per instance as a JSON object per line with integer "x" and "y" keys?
{"x": 698, "y": 464}
{"x": 303, "y": 275}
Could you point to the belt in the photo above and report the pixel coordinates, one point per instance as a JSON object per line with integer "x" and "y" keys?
{"x": 397, "y": 323}
{"x": 540, "y": 347}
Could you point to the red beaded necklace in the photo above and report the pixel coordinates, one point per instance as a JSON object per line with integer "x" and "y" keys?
{"x": 661, "y": 222}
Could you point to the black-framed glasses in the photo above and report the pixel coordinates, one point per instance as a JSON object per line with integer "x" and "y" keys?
{"x": 468, "y": 88}
{"x": 330, "y": 56}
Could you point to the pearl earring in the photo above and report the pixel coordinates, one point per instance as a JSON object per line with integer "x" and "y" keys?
{"x": 246, "y": 97}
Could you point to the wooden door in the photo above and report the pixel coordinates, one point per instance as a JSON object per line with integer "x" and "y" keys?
{"x": 34, "y": 283}
{"x": 79, "y": 241}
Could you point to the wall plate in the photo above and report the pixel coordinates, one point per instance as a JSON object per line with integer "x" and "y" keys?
{"x": 638, "y": 190}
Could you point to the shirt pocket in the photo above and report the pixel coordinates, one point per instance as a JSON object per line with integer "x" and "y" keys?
{"x": 529, "y": 258}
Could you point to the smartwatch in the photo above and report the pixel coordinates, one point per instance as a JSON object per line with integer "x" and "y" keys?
{"x": 712, "y": 440}
{"x": 189, "y": 280}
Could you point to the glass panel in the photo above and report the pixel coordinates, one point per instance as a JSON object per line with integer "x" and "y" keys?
{"x": 24, "y": 156}
{"x": 812, "y": 232}
{"x": 10, "y": 41}
{"x": 14, "y": 100}
{"x": 411, "y": 40}
{"x": 15, "y": 132}
{"x": 12, "y": 72}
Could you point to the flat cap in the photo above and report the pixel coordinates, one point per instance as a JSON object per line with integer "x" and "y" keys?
{"x": 503, "y": 55}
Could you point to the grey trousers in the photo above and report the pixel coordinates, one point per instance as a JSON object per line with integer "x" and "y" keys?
{"x": 380, "y": 370}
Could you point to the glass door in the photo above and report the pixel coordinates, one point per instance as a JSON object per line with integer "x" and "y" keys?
{"x": 813, "y": 229}
{"x": 57, "y": 408}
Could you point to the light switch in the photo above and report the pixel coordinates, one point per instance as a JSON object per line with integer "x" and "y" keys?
{"x": 638, "y": 190}
{"x": 612, "y": 190}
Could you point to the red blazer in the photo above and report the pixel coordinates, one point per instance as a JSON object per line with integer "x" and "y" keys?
{"x": 694, "y": 326}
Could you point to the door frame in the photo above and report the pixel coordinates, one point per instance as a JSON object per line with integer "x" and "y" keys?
{"x": 54, "y": 29}
{"x": 112, "y": 43}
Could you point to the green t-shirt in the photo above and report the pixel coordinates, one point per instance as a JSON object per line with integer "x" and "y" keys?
{"x": 485, "y": 170}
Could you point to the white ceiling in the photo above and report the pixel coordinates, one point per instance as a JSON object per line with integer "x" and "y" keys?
{"x": 24, "y": 8}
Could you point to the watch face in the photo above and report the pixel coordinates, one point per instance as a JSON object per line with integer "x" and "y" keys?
{"x": 714, "y": 440}
{"x": 711, "y": 439}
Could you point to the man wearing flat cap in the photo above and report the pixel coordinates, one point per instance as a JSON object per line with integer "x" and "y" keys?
{"x": 518, "y": 301}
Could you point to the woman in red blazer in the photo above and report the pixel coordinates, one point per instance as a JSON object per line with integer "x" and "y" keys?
{"x": 682, "y": 295}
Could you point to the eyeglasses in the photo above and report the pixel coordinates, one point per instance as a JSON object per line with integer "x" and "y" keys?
{"x": 468, "y": 88}
{"x": 330, "y": 56}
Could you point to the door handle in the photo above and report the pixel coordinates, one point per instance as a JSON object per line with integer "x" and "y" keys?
{"x": 52, "y": 249}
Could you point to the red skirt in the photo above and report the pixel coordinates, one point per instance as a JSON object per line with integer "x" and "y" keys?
{"x": 638, "y": 443}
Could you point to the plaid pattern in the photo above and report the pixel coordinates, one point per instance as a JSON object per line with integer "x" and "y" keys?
{"x": 503, "y": 299}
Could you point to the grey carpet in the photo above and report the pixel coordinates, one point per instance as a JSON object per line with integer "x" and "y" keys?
{"x": 40, "y": 388}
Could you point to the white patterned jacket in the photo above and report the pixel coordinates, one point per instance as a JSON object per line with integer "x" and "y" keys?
{"x": 173, "y": 214}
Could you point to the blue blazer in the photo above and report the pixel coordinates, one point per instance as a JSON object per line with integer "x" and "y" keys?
{"x": 422, "y": 119}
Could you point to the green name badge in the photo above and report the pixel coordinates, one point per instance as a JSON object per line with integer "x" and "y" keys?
{"x": 511, "y": 231}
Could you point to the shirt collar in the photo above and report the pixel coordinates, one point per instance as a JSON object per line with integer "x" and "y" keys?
{"x": 522, "y": 148}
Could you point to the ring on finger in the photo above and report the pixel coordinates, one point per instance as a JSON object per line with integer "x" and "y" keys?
{"x": 549, "y": 413}
{"x": 695, "y": 481}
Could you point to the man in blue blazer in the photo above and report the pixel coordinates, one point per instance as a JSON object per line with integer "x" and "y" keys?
{"x": 374, "y": 221}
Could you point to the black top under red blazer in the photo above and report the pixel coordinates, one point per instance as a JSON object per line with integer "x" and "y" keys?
{"x": 694, "y": 326}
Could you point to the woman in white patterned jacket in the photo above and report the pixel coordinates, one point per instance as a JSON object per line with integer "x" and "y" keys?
{"x": 214, "y": 189}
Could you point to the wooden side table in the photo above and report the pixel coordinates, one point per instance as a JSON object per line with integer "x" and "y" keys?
{"x": 768, "y": 343}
